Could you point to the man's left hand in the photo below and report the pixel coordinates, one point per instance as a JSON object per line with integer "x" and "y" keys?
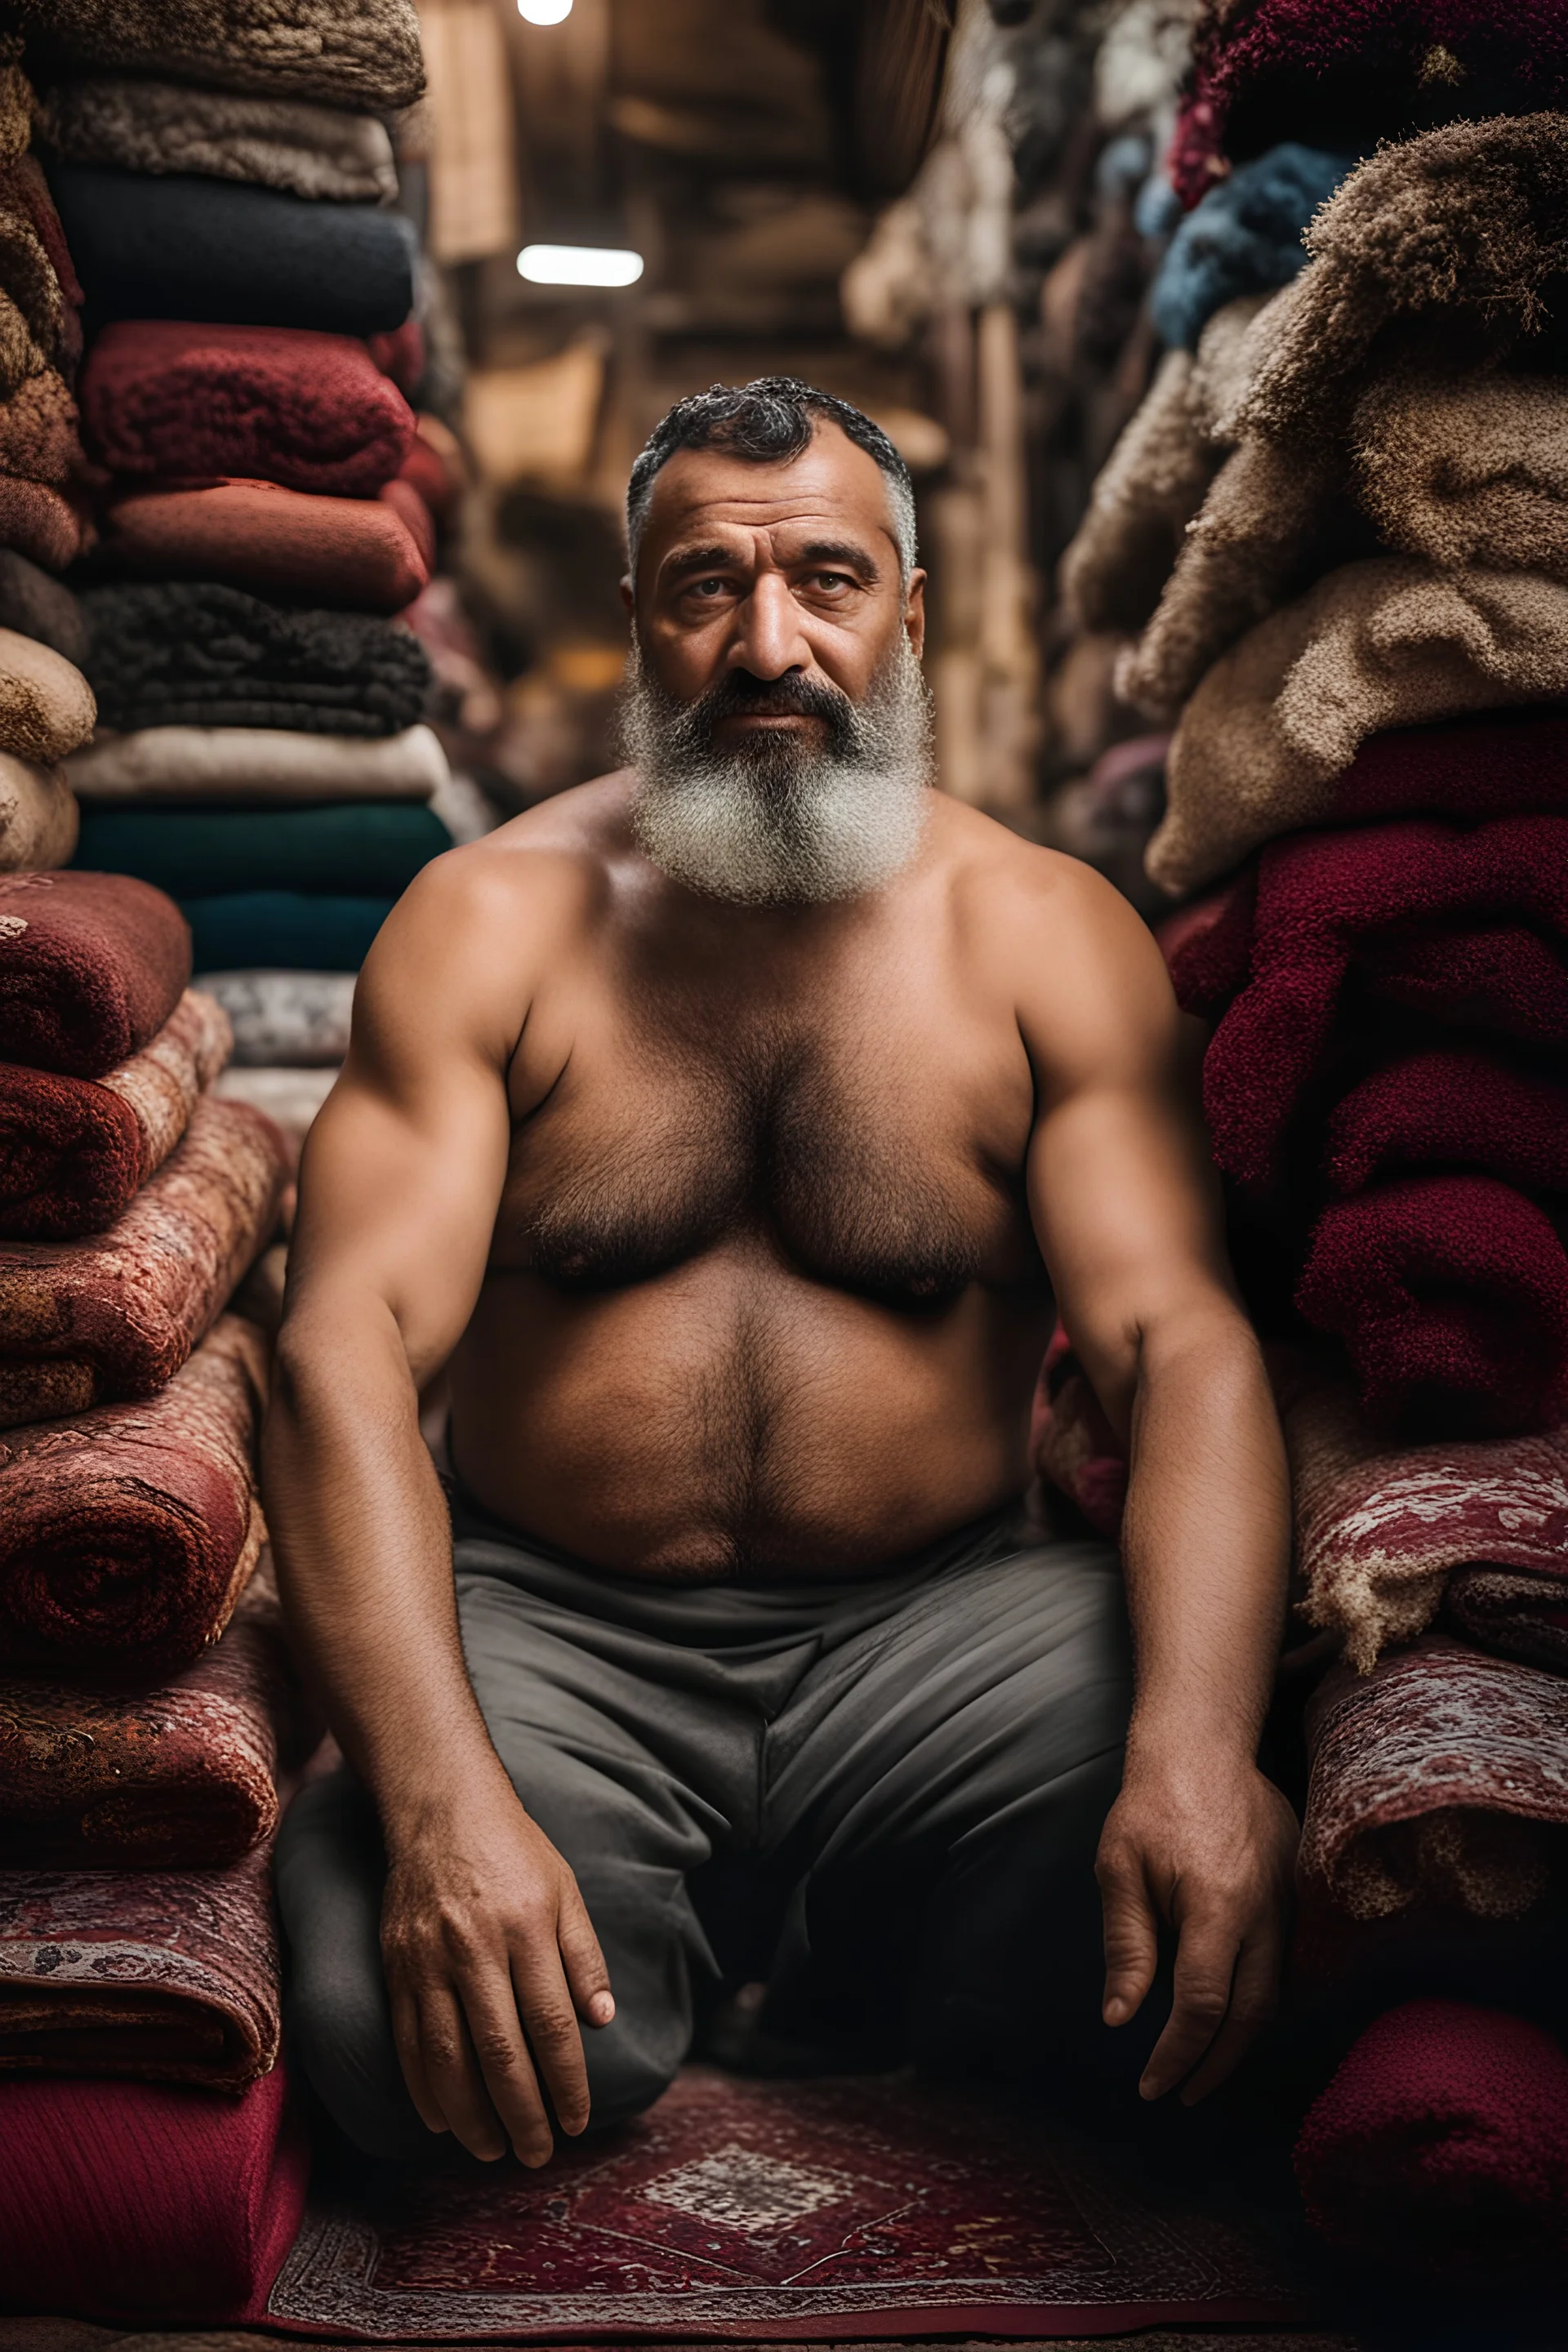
{"x": 1207, "y": 1847}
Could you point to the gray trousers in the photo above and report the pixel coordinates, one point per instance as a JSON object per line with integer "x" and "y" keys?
{"x": 898, "y": 1782}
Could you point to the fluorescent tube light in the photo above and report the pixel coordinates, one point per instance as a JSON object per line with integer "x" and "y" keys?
{"x": 579, "y": 264}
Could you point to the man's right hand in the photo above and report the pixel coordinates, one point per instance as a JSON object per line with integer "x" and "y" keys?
{"x": 490, "y": 1962}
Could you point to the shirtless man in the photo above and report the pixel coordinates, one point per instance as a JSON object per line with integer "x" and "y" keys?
{"x": 727, "y": 1125}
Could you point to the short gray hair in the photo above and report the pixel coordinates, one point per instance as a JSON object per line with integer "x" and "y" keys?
{"x": 767, "y": 421}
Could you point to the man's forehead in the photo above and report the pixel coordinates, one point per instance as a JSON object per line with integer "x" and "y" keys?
{"x": 831, "y": 481}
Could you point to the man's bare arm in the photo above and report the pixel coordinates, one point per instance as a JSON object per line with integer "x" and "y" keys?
{"x": 1127, "y": 1211}
{"x": 400, "y": 1183}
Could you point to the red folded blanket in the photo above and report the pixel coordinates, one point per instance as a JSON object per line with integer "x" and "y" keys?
{"x": 373, "y": 555}
{"x": 1450, "y": 1294}
{"x": 146, "y": 2202}
{"x": 114, "y": 1317}
{"x": 275, "y": 403}
{"x": 1467, "y": 927}
{"x": 179, "y": 1777}
{"x": 75, "y": 1152}
{"x": 128, "y": 1533}
{"x": 1073, "y": 1445}
{"x": 91, "y": 965}
{"x": 1456, "y": 1109}
{"x": 1434, "y": 1779}
{"x": 1441, "y": 2144}
{"x": 167, "y": 1976}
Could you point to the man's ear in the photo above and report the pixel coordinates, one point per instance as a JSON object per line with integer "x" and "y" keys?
{"x": 915, "y": 613}
{"x": 629, "y": 594}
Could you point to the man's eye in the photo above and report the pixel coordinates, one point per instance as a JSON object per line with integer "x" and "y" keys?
{"x": 709, "y": 588}
{"x": 833, "y": 579}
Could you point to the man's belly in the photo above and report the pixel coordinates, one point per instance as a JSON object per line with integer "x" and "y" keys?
{"x": 732, "y": 1417}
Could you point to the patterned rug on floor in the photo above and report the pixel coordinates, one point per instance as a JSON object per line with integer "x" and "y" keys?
{"x": 742, "y": 2211}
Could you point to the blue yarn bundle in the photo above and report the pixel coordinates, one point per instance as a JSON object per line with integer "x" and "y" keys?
{"x": 1244, "y": 238}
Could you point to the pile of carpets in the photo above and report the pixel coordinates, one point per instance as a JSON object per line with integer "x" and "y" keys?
{"x": 1340, "y": 528}
{"x": 263, "y": 494}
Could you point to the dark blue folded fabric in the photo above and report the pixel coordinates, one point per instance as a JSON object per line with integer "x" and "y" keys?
{"x": 230, "y": 253}
{"x": 283, "y": 930}
{"x": 365, "y": 847}
{"x": 1244, "y": 238}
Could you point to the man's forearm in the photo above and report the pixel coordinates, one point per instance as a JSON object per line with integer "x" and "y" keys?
{"x": 362, "y": 1543}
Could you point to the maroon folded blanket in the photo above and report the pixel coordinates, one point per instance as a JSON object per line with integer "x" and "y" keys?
{"x": 91, "y": 965}
{"x": 1441, "y": 2144}
{"x": 273, "y": 403}
{"x": 169, "y": 1976}
{"x": 128, "y": 1533}
{"x": 179, "y": 1777}
{"x": 374, "y": 555}
{"x": 114, "y": 1317}
{"x": 1439, "y": 1777}
{"x": 75, "y": 1152}
{"x": 1455, "y": 1109}
{"x": 1467, "y": 927}
{"x": 1073, "y": 1445}
{"x": 1450, "y": 1294}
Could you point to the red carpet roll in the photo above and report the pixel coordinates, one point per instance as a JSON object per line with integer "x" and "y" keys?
{"x": 91, "y": 965}
{"x": 1441, "y": 2144}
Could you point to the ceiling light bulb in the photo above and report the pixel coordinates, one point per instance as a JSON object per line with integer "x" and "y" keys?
{"x": 545, "y": 12}
{"x": 579, "y": 264}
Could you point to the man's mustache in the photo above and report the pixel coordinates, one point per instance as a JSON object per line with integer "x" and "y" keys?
{"x": 739, "y": 695}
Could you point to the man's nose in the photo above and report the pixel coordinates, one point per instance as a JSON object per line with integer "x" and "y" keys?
{"x": 768, "y": 639}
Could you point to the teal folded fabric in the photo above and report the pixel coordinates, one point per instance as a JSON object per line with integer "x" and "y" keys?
{"x": 364, "y": 848}
{"x": 282, "y": 930}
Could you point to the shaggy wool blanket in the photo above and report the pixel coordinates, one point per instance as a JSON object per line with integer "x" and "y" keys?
{"x": 34, "y": 606}
{"x": 35, "y": 266}
{"x": 1450, "y": 1105}
{"x": 189, "y": 653}
{"x": 112, "y": 1317}
{"x": 296, "y": 1019}
{"x": 46, "y": 706}
{"x": 1434, "y": 1778}
{"x": 1382, "y": 1531}
{"x": 231, "y": 765}
{"x": 210, "y": 249}
{"x": 371, "y": 555}
{"x": 38, "y": 817}
{"x": 167, "y": 1976}
{"x": 1376, "y": 645}
{"x": 1246, "y": 237}
{"x": 1440, "y": 2147}
{"x": 74, "y": 1152}
{"x": 160, "y": 397}
{"x": 359, "y": 846}
{"x": 1355, "y": 71}
{"x": 285, "y": 930}
{"x": 128, "y": 1534}
{"x": 359, "y": 53}
{"x": 158, "y": 127}
{"x": 91, "y": 965}
{"x": 182, "y": 1776}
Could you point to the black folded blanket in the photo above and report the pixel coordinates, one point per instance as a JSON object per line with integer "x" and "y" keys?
{"x": 228, "y": 252}
{"x": 177, "y": 653}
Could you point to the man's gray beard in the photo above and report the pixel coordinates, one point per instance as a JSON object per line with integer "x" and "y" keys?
{"x": 780, "y": 821}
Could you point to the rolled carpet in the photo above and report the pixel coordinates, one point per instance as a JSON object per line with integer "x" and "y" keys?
{"x": 288, "y": 931}
{"x": 1434, "y": 1778}
{"x": 291, "y": 1098}
{"x": 343, "y": 52}
{"x": 1441, "y": 2146}
{"x": 374, "y": 555}
{"x": 91, "y": 965}
{"x": 161, "y": 397}
{"x": 1245, "y": 238}
{"x": 1384, "y": 1531}
{"x": 182, "y": 1776}
{"x": 38, "y": 817}
{"x": 366, "y": 848}
{"x": 75, "y": 1152}
{"x": 188, "y": 653}
{"x": 1521, "y": 1616}
{"x": 1450, "y": 1295}
{"x": 114, "y": 1317}
{"x": 299, "y": 1019}
{"x": 164, "y": 1975}
{"x": 46, "y": 706}
{"x": 218, "y": 250}
{"x": 34, "y": 606}
{"x": 160, "y": 127}
{"x": 233, "y": 766}
{"x": 161, "y": 2204}
{"x": 1386, "y": 643}
{"x": 128, "y": 1534}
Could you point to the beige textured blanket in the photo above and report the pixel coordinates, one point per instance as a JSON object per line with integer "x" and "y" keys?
{"x": 222, "y": 134}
